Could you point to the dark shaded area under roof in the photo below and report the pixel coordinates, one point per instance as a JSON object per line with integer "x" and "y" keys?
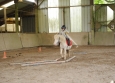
{"x": 24, "y": 7}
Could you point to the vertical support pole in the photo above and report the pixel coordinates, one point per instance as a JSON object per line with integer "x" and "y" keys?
{"x": 114, "y": 18}
{"x": 92, "y": 33}
{"x": 91, "y": 2}
{"x": 5, "y": 19}
{"x": 16, "y": 17}
{"x": 114, "y": 23}
{"x": 64, "y": 15}
{"x": 36, "y": 18}
{"x": 21, "y": 23}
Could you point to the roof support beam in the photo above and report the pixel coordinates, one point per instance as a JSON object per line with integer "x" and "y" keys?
{"x": 40, "y": 3}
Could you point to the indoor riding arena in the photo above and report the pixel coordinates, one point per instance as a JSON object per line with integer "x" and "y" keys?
{"x": 30, "y": 53}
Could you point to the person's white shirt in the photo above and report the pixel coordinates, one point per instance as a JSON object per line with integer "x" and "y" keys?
{"x": 64, "y": 32}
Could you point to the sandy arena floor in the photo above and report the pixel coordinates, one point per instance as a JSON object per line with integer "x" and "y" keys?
{"x": 92, "y": 64}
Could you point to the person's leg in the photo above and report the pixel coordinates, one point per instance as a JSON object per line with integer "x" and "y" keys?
{"x": 68, "y": 41}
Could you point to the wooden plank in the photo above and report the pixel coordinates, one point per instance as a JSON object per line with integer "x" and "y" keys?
{"x": 48, "y": 62}
{"x": 70, "y": 59}
{"x": 58, "y": 59}
{"x": 43, "y": 63}
{"x": 19, "y": 63}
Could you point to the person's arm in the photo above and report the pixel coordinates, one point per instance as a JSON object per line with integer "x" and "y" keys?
{"x": 73, "y": 41}
{"x": 66, "y": 31}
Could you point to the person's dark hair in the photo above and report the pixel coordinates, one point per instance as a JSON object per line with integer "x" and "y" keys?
{"x": 63, "y": 27}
